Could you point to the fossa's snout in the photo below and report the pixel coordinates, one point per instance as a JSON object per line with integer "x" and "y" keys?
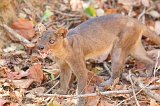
{"x": 40, "y": 47}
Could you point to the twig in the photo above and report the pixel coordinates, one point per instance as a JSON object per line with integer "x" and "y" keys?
{"x": 130, "y": 12}
{"x": 145, "y": 89}
{"x": 66, "y": 14}
{"x": 125, "y": 76}
{"x": 140, "y": 15}
{"x": 156, "y": 65}
{"x": 134, "y": 94}
{"x": 95, "y": 94}
{"x": 52, "y": 87}
{"x": 144, "y": 12}
{"x": 18, "y": 36}
{"x": 148, "y": 92}
{"x": 107, "y": 68}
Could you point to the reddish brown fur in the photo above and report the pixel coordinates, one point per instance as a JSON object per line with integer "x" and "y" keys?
{"x": 115, "y": 34}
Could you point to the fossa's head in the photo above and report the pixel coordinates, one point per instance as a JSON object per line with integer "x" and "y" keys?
{"x": 51, "y": 41}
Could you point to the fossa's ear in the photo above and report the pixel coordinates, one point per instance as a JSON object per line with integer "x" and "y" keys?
{"x": 62, "y": 32}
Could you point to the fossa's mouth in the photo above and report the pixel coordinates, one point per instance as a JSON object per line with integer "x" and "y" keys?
{"x": 44, "y": 54}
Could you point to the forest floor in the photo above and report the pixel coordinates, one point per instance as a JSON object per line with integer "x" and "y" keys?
{"x": 26, "y": 79}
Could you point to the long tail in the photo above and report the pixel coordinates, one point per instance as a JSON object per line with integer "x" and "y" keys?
{"x": 151, "y": 35}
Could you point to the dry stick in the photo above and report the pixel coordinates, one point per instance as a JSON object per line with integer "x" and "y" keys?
{"x": 130, "y": 11}
{"x": 134, "y": 94}
{"x": 125, "y": 76}
{"x": 99, "y": 93}
{"x": 107, "y": 68}
{"x": 156, "y": 65}
{"x": 144, "y": 12}
{"x": 66, "y": 14}
{"x": 16, "y": 35}
{"x": 52, "y": 87}
{"x": 145, "y": 89}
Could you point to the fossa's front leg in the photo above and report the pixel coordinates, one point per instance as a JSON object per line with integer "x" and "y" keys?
{"x": 65, "y": 76}
{"x": 79, "y": 70}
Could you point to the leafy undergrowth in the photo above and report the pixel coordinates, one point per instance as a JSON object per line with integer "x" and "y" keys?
{"x": 24, "y": 75}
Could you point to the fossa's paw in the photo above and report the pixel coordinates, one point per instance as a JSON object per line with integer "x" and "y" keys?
{"x": 62, "y": 92}
{"x": 106, "y": 83}
{"x": 80, "y": 102}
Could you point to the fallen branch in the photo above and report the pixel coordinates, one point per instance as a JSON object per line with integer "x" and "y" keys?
{"x": 134, "y": 93}
{"x": 98, "y": 93}
{"x": 144, "y": 88}
{"x": 18, "y": 36}
{"x": 66, "y": 14}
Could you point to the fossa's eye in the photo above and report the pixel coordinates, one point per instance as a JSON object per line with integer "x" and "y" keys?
{"x": 51, "y": 41}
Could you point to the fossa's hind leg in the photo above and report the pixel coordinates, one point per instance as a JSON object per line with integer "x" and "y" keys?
{"x": 118, "y": 59}
{"x": 139, "y": 53}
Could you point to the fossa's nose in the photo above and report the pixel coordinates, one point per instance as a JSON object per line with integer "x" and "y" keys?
{"x": 40, "y": 47}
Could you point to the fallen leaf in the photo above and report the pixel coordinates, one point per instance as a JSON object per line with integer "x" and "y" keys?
{"x": 158, "y": 6}
{"x": 100, "y": 12}
{"x": 24, "y": 27}
{"x": 23, "y": 83}
{"x": 17, "y": 75}
{"x": 2, "y": 62}
{"x": 104, "y": 102}
{"x": 31, "y": 105}
{"x": 89, "y": 89}
{"x": 111, "y": 11}
{"x": 54, "y": 103}
{"x": 93, "y": 78}
{"x": 38, "y": 90}
{"x": 3, "y": 72}
{"x": 157, "y": 27}
{"x": 145, "y": 3}
{"x": 90, "y": 11}
{"x": 154, "y": 14}
{"x": 130, "y": 2}
{"x": 92, "y": 101}
{"x": 153, "y": 103}
{"x": 22, "y": 15}
{"x": 76, "y": 5}
{"x": 30, "y": 96}
{"x": 47, "y": 14}
{"x": 35, "y": 72}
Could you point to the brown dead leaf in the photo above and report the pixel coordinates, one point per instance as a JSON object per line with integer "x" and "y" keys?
{"x": 24, "y": 27}
{"x": 89, "y": 89}
{"x": 17, "y": 96}
{"x": 139, "y": 65}
{"x": 3, "y": 72}
{"x": 158, "y": 6}
{"x": 92, "y": 101}
{"x": 93, "y": 78}
{"x": 35, "y": 72}
{"x": 2, "y": 62}
{"x": 153, "y": 103}
{"x": 23, "y": 83}
{"x": 76, "y": 5}
{"x": 157, "y": 27}
{"x": 154, "y": 13}
{"x": 130, "y": 2}
{"x": 54, "y": 103}
{"x": 17, "y": 75}
{"x": 111, "y": 11}
{"x": 155, "y": 55}
{"x": 145, "y": 3}
{"x": 104, "y": 102}
{"x": 37, "y": 90}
